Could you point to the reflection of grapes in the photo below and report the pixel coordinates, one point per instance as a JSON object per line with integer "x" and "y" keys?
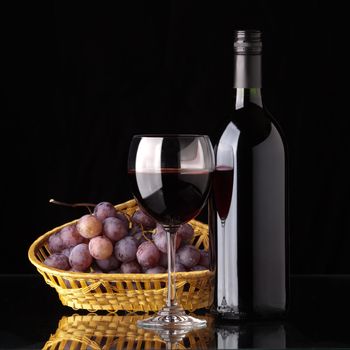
{"x": 114, "y": 228}
{"x": 80, "y": 258}
{"x": 58, "y": 261}
{"x": 147, "y": 254}
{"x": 125, "y": 249}
{"x": 89, "y": 226}
{"x": 100, "y": 247}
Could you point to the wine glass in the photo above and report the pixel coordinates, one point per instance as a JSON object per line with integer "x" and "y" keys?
{"x": 170, "y": 177}
{"x": 222, "y": 189}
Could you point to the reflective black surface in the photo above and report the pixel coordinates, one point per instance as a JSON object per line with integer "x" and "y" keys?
{"x": 33, "y": 317}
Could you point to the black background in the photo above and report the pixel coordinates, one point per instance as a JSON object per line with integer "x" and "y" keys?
{"x": 81, "y": 78}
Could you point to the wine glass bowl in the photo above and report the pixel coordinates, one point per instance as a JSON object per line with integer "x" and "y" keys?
{"x": 222, "y": 189}
{"x": 170, "y": 177}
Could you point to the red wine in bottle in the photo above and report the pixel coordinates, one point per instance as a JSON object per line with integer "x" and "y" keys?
{"x": 254, "y": 280}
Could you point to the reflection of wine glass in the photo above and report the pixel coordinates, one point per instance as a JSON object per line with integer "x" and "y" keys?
{"x": 107, "y": 332}
{"x": 170, "y": 177}
{"x": 222, "y": 188}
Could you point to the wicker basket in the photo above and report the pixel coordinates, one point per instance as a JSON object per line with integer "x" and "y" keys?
{"x": 119, "y": 332}
{"x": 130, "y": 292}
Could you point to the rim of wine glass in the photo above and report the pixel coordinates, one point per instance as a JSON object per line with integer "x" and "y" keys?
{"x": 169, "y": 135}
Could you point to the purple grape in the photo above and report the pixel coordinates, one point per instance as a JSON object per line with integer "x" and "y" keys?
{"x": 198, "y": 268}
{"x": 114, "y": 228}
{"x": 72, "y": 269}
{"x": 125, "y": 249}
{"x": 147, "y": 254}
{"x": 96, "y": 268}
{"x": 80, "y": 258}
{"x": 156, "y": 269}
{"x": 67, "y": 251}
{"x": 180, "y": 267}
{"x": 104, "y": 210}
{"x": 58, "y": 261}
{"x": 66, "y": 282}
{"x": 141, "y": 218}
{"x": 189, "y": 255}
{"x": 89, "y": 226}
{"x": 141, "y": 237}
{"x": 123, "y": 217}
{"x": 55, "y": 243}
{"x": 186, "y": 232}
{"x": 204, "y": 260}
{"x": 100, "y": 247}
{"x": 163, "y": 260}
{"x": 130, "y": 267}
{"x": 70, "y": 236}
{"x": 160, "y": 239}
{"x": 106, "y": 265}
{"x": 134, "y": 229}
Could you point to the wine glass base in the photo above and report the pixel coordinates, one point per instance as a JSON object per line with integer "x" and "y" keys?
{"x": 172, "y": 318}
{"x": 225, "y": 309}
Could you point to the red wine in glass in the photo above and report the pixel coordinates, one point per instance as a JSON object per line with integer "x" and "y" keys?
{"x": 171, "y": 195}
{"x": 222, "y": 184}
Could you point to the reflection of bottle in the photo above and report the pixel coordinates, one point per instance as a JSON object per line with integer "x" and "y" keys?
{"x": 255, "y": 265}
{"x": 267, "y": 336}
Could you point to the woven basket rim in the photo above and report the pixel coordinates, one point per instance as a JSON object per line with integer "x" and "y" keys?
{"x": 106, "y": 276}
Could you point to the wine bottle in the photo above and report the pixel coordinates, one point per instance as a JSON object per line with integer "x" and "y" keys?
{"x": 251, "y": 251}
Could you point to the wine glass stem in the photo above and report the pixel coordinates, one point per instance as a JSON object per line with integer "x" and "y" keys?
{"x": 224, "y": 301}
{"x": 171, "y": 236}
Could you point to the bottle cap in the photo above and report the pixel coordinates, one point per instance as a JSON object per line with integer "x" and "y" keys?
{"x": 247, "y": 42}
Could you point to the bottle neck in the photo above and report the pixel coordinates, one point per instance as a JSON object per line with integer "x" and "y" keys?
{"x": 244, "y": 96}
{"x": 247, "y": 80}
{"x": 247, "y": 71}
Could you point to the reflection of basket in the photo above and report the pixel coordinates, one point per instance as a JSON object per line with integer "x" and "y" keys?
{"x": 131, "y": 292}
{"x": 118, "y": 332}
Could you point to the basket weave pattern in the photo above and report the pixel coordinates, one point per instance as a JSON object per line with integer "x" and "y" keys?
{"x": 130, "y": 292}
{"x": 118, "y": 332}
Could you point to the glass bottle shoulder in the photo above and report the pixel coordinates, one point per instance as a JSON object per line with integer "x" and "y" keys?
{"x": 251, "y": 123}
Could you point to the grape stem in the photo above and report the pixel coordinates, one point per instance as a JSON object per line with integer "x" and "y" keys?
{"x": 73, "y": 205}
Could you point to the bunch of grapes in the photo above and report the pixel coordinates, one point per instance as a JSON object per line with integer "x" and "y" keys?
{"x": 108, "y": 241}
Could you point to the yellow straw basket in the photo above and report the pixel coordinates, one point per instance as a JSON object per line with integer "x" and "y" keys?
{"x": 119, "y": 332}
{"x": 130, "y": 292}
